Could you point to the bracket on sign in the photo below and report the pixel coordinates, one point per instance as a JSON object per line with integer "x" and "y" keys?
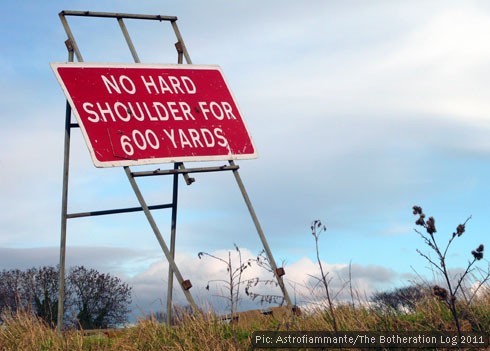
{"x": 188, "y": 180}
{"x": 117, "y": 153}
{"x": 178, "y": 169}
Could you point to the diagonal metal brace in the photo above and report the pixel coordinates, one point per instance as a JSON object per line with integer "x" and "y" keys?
{"x": 277, "y": 272}
{"x": 183, "y": 283}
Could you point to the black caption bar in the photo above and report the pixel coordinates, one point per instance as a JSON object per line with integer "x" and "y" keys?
{"x": 317, "y": 339}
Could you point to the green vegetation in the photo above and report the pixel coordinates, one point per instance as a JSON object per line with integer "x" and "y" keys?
{"x": 208, "y": 332}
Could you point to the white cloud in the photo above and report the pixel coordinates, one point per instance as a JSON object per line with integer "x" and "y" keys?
{"x": 440, "y": 67}
{"x": 150, "y": 285}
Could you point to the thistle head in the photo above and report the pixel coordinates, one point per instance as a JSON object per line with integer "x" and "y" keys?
{"x": 478, "y": 252}
{"x": 430, "y": 225}
{"x": 460, "y": 229}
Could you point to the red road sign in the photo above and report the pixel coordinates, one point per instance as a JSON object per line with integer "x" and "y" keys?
{"x": 134, "y": 114}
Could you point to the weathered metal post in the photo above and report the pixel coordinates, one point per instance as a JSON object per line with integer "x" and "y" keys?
{"x": 64, "y": 205}
{"x": 173, "y": 225}
{"x": 173, "y": 230}
{"x": 277, "y": 272}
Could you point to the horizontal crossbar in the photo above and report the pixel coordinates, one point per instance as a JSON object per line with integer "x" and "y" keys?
{"x": 118, "y": 15}
{"x": 115, "y": 211}
{"x": 184, "y": 171}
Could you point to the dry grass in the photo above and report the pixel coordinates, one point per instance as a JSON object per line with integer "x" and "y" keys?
{"x": 208, "y": 332}
{"x": 23, "y": 331}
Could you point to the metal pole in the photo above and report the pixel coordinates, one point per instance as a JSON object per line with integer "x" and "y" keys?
{"x": 173, "y": 226}
{"x": 117, "y": 15}
{"x": 71, "y": 38}
{"x": 261, "y": 235}
{"x": 64, "y": 206}
{"x": 162, "y": 243}
{"x": 173, "y": 229}
{"x": 181, "y": 41}
{"x": 128, "y": 40}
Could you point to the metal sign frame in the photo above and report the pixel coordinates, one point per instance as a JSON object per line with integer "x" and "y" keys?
{"x": 178, "y": 169}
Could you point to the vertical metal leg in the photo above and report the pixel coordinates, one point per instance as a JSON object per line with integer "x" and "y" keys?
{"x": 173, "y": 229}
{"x": 64, "y": 209}
{"x": 159, "y": 237}
{"x": 261, "y": 235}
{"x": 173, "y": 225}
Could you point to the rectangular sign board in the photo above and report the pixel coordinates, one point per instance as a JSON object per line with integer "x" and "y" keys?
{"x": 136, "y": 114}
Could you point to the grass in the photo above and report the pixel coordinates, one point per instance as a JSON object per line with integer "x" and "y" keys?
{"x": 207, "y": 332}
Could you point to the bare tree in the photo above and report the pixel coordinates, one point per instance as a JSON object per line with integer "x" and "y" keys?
{"x": 94, "y": 299}
{"x": 401, "y": 299}
{"x": 99, "y": 300}
{"x": 14, "y": 291}
{"x": 233, "y": 281}
{"x": 44, "y": 289}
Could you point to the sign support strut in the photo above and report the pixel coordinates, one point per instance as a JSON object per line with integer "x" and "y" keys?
{"x": 277, "y": 272}
{"x": 64, "y": 205}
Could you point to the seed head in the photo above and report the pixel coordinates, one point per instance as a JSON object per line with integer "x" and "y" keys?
{"x": 478, "y": 253}
{"x": 417, "y": 210}
{"x": 441, "y": 293}
{"x": 431, "y": 225}
{"x": 460, "y": 229}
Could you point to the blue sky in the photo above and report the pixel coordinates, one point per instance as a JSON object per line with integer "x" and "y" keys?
{"x": 359, "y": 111}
